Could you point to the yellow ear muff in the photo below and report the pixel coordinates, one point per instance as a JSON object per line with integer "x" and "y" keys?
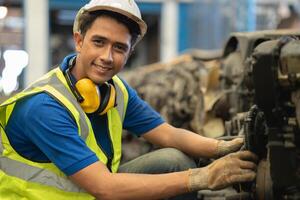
{"x": 90, "y": 92}
{"x": 112, "y": 99}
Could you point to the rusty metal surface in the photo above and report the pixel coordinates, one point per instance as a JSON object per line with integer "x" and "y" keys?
{"x": 246, "y": 41}
{"x": 296, "y": 101}
{"x": 184, "y": 91}
{"x": 263, "y": 181}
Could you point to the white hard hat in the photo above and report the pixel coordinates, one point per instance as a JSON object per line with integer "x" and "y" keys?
{"x": 127, "y": 8}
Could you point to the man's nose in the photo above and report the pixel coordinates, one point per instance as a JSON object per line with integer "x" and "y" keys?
{"x": 106, "y": 54}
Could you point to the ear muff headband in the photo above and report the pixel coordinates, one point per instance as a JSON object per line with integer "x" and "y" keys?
{"x": 74, "y": 90}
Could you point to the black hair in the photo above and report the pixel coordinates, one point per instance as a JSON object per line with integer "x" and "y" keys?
{"x": 87, "y": 18}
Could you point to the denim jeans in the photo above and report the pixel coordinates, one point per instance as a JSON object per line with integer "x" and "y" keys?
{"x": 161, "y": 161}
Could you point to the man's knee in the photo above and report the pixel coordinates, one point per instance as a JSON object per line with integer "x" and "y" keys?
{"x": 177, "y": 160}
{"x": 160, "y": 161}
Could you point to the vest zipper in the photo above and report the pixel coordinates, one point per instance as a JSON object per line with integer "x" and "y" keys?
{"x": 110, "y": 158}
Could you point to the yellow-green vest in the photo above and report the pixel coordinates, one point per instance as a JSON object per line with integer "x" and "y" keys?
{"x": 21, "y": 178}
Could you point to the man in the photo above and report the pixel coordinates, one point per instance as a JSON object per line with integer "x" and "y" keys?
{"x": 61, "y": 137}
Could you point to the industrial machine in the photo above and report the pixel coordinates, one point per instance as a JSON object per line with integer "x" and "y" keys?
{"x": 265, "y": 109}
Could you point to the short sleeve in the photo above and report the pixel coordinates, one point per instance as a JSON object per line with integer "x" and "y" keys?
{"x": 48, "y": 130}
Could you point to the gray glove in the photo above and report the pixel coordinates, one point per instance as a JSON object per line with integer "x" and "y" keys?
{"x": 226, "y": 147}
{"x": 233, "y": 168}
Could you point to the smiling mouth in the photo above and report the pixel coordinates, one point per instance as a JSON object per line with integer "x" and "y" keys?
{"x": 102, "y": 68}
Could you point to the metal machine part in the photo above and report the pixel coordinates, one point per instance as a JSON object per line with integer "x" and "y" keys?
{"x": 273, "y": 98}
{"x": 263, "y": 181}
{"x": 269, "y": 95}
{"x": 255, "y": 132}
{"x": 238, "y": 61}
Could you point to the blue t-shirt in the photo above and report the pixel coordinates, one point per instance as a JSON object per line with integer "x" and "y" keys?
{"x": 42, "y": 130}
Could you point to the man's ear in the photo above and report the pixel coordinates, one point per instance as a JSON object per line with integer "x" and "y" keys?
{"x": 131, "y": 51}
{"x": 129, "y": 54}
{"x": 78, "y": 39}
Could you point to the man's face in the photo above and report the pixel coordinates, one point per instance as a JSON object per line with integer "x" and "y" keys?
{"x": 103, "y": 51}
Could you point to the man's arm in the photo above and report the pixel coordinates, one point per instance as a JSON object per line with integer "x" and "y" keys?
{"x": 97, "y": 180}
{"x": 191, "y": 143}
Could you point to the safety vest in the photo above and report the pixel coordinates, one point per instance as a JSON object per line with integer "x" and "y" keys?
{"x": 21, "y": 178}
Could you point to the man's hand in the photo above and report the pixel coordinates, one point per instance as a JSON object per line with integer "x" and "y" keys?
{"x": 233, "y": 168}
{"x": 226, "y": 147}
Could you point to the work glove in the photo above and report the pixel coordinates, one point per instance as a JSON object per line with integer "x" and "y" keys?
{"x": 226, "y": 147}
{"x": 233, "y": 168}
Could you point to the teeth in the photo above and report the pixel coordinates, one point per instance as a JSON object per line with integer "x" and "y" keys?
{"x": 104, "y": 68}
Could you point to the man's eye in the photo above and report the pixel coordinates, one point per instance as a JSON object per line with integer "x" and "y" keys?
{"x": 99, "y": 42}
{"x": 120, "y": 48}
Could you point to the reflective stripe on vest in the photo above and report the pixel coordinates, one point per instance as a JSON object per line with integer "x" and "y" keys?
{"x": 11, "y": 162}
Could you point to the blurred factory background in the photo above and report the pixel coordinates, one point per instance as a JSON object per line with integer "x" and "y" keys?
{"x": 36, "y": 34}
